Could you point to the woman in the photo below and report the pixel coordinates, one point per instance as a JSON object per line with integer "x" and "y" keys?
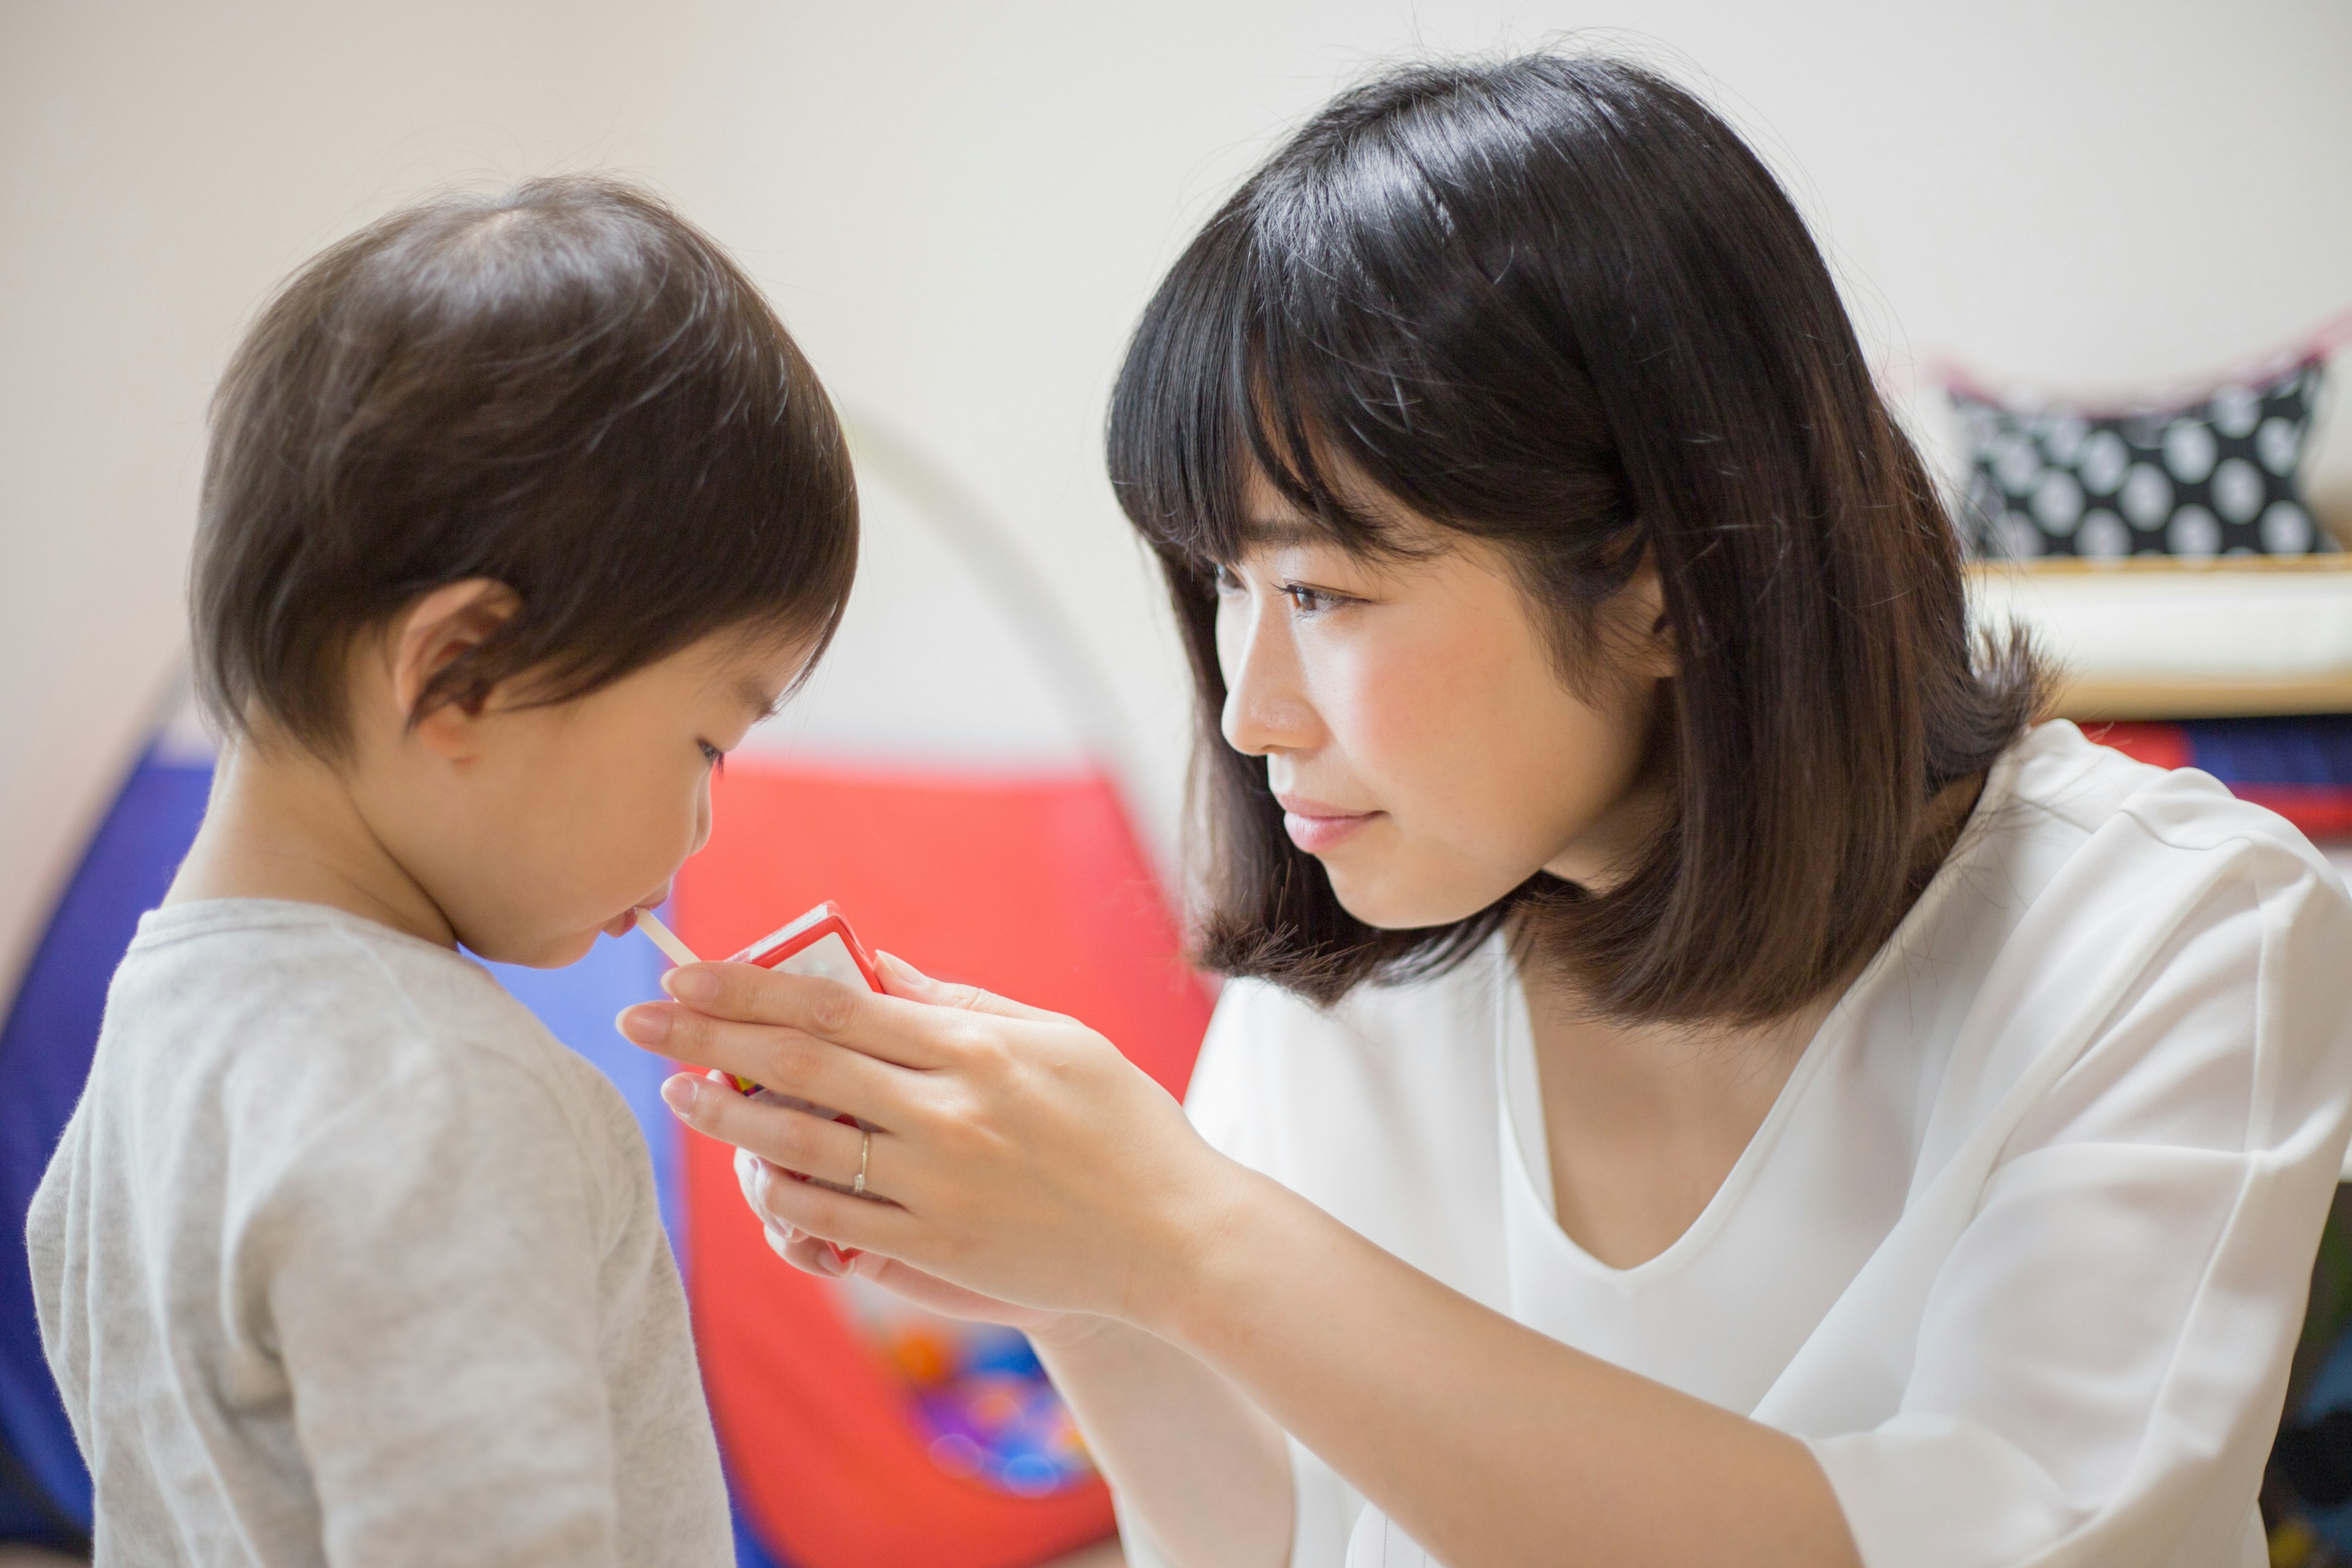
{"x": 1709, "y": 1080}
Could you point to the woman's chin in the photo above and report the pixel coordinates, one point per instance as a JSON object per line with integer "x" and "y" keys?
{"x": 1390, "y": 902}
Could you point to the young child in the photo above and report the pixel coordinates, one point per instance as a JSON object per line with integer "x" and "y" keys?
{"x": 519, "y": 512}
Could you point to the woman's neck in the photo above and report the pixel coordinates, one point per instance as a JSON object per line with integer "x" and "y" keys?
{"x": 1644, "y": 1122}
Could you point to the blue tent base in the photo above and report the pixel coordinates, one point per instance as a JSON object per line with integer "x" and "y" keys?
{"x": 28, "y": 1516}
{"x": 44, "y": 1053}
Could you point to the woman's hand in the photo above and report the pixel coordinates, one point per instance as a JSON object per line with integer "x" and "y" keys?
{"x": 1024, "y": 1165}
{"x": 813, "y": 1255}
{"x": 1020, "y": 1158}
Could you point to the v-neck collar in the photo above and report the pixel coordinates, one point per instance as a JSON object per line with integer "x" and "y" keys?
{"x": 1526, "y": 1146}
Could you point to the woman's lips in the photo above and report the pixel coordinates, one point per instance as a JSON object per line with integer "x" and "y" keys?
{"x": 1314, "y": 826}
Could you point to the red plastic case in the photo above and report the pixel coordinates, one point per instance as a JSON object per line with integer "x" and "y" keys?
{"x": 798, "y": 949}
{"x": 820, "y": 943}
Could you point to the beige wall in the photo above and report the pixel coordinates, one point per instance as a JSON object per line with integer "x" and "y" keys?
{"x": 959, "y": 208}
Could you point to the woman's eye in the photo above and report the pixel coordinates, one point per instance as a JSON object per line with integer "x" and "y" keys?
{"x": 713, "y": 755}
{"x": 1309, "y": 601}
{"x": 1228, "y": 579}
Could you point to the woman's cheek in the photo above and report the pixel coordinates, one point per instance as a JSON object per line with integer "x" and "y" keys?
{"x": 1397, "y": 723}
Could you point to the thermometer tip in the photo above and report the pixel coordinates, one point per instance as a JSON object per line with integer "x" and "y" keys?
{"x": 664, "y": 938}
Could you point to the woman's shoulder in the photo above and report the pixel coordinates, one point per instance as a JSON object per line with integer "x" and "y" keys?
{"x": 2057, "y": 784}
{"x": 1412, "y": 1052}
{"x": 2077, "y": 852}
{"x": 1425, "y": 1014}
{"x": 1380, "y": 1109}
{"x": 2074, "y": 843}
{"x": 2123, "y": 935}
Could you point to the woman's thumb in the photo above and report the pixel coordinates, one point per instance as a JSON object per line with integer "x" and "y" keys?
{"x": 900, "y": 978}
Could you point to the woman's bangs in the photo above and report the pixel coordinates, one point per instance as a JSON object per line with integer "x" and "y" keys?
{"x": 1215, "y": 395}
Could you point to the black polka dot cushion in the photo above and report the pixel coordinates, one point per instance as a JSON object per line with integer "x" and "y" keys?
{"x": 2216, "y": 478}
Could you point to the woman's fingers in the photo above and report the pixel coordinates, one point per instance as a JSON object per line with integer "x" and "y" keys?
{"x": 903, "y": 979}
{"x": 784, "y": 1059}
{"x": 794, "y": 1139}
{"x": 804, "y": 1252}
{"x": 823, "y": 1215}
{"x": 877, "y": 1025}
{"x": 808, "y": 1254}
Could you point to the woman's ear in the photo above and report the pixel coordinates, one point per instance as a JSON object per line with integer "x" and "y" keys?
{"x": 1640, "y": 613}
{"x": 429, "y": 637}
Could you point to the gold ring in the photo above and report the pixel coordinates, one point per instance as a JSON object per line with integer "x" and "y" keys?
{"x": 865, "y": 1149}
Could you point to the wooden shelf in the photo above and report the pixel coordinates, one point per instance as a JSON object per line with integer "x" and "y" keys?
{"x": 2153, "y": 637}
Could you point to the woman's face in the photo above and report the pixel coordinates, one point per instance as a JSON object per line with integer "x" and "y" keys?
{"x": 1415, "y": 724}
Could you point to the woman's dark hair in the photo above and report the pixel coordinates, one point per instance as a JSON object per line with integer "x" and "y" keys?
{"x": 1555, "y": 303}
{"x": 568, "y": 389}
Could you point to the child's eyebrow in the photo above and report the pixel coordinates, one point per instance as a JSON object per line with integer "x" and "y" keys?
{"x": 761, "y": 702}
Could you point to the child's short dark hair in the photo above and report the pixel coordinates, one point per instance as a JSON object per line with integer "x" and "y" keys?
{"x": 568, "y": 389}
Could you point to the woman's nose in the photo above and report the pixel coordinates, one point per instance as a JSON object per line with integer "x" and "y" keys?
{"x": 1265, "y": 709}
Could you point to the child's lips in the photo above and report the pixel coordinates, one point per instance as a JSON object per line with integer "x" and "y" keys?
{"x": 627, "y": 920}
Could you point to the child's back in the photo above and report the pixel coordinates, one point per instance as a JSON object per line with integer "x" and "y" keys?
{"x": 312, "y": 1142}
{"x": 519, "y": 513}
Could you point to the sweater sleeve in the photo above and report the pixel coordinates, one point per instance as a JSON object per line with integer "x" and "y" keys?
{"x": 426, "y": 1268}
{"x": 2105, "y": 1349}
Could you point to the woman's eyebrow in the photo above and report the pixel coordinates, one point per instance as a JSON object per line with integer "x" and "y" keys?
{"x": 1280, "y": 533}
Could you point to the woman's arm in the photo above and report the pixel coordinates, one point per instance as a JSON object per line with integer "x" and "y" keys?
{"x": 1203, "y": 1470}
{"x": 1486, "y": 1441}
{"x": 1025, "y": 1159}
{"x": 1200, "y": 1466}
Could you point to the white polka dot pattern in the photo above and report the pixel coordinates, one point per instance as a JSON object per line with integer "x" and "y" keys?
{"x": 2286, "y": 529}
{"x": 2194, "y": 533}
{"x": 2213, "y": 478}
{"x": 2239, "y": 491}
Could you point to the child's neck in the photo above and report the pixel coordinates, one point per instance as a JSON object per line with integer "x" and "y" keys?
{"x": 283, "y": 825}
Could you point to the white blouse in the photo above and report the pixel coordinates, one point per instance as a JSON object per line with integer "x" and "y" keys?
{"x": 2022, "y": 1249}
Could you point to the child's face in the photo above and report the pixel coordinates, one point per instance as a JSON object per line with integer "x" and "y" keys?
{"x": 533, "y": 828}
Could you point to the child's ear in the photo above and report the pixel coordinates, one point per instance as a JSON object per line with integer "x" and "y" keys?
{"x": 429, "y": 637}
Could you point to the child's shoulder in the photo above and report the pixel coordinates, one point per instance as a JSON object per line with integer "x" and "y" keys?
{"x": 329, "y": 1009}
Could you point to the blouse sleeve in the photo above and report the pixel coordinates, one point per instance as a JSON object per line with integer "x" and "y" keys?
{"x": 2103, "y": 1354}
{"x": 1232, "y": 1077}
{"x": 1234, "y": 1083}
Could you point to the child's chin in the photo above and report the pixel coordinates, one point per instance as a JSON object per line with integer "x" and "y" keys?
{"x": 543, "y": 952}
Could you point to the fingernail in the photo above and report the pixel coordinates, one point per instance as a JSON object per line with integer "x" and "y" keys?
{"x": 645, "y": 1025}
{"x": 901, "y": 968}
{"x": 831, "y": 1260}
{"x": 691, "y": 986}
{"x": 679, "y": 1092}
